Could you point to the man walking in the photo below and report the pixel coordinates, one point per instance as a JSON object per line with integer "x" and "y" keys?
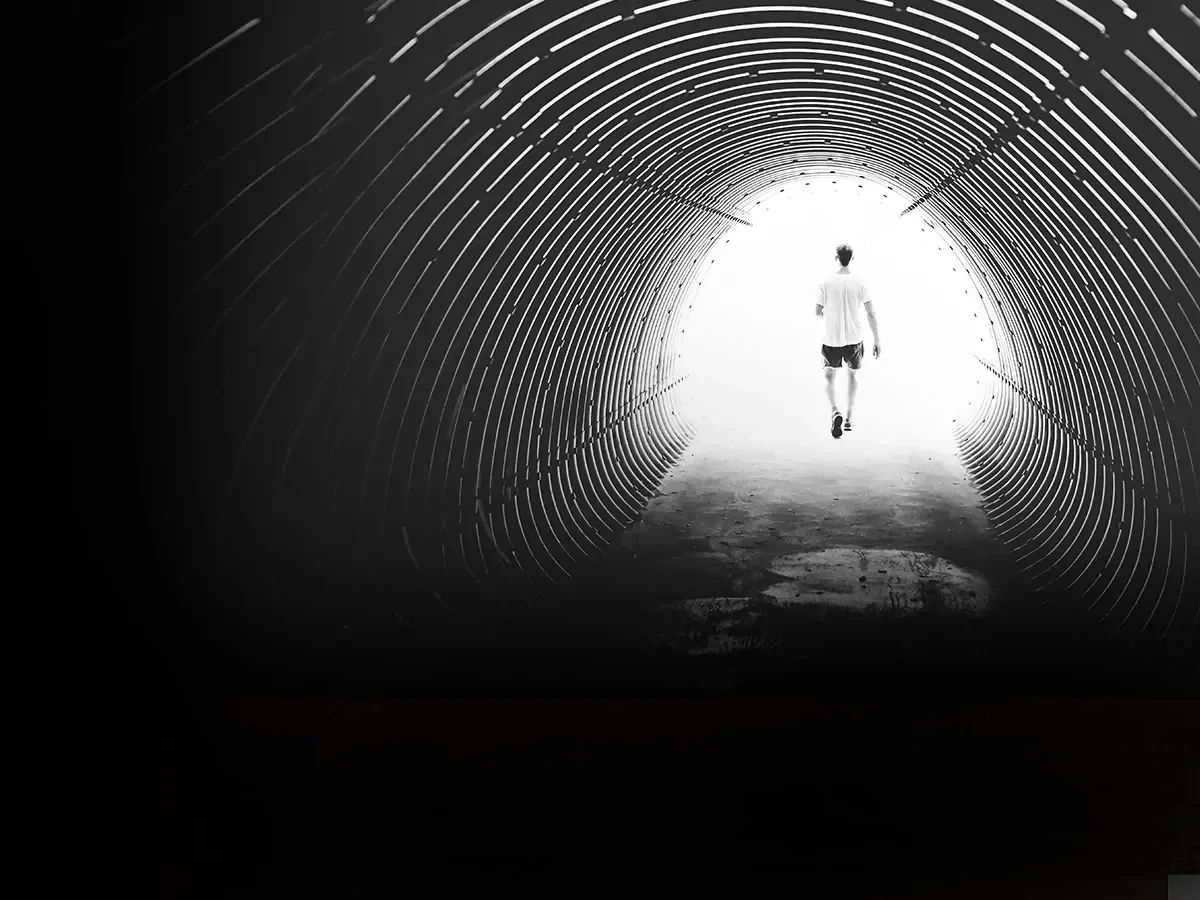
{"x": 838, "y": 302}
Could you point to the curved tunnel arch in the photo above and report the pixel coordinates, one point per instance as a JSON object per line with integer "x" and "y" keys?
{"x": 421, "y": 270}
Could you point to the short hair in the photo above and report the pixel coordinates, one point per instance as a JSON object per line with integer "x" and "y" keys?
{"x": 845, "y": 253}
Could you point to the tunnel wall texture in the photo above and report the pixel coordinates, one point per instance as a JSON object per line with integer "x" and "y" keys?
{"x": 409, "y": 279}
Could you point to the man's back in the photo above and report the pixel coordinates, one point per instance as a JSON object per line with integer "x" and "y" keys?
{"x": 842, "y": 295}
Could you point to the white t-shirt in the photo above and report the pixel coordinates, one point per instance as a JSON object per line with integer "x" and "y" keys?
{"x": 842, "y": 295}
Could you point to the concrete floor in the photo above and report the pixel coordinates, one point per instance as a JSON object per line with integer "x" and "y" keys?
{"x": 809, "y": 759}
{"x": 769, "y": 559}
{"x": 759, "y": 556}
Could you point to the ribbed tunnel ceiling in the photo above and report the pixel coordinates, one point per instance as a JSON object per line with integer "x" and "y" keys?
{"x": 416, "y": 274}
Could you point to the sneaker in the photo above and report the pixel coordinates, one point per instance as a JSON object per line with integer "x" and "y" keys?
{"x": 836, "y": 430}
{"x": 846, "y": 424}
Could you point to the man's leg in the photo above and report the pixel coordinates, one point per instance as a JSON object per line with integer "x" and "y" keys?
{"x": 853, "y": 362}
{"x": 831, "y": 356}
{"x": 836, "y": 427}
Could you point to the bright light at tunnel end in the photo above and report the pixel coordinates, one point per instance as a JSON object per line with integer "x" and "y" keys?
{"x": 751, "y": 347}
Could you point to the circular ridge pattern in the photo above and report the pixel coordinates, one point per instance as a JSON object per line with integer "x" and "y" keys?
{"x": 420, "y": 269}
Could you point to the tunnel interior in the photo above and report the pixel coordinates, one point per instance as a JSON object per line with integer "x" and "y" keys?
{"x": 410, "y": 282}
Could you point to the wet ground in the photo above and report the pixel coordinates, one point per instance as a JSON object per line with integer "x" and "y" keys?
{"x": 765, "y": 566}
{"x": 759, "y": 559}
{"x": 772, "y": 549}
{"x": 824, "y": 529}
{"x": 856, "y": 638}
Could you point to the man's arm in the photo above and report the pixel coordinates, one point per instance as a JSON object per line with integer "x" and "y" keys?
{"x": 821, "y": 300}
{"x": 874, "y": 323}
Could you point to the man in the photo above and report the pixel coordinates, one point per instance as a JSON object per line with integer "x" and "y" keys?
{"x": 837, "y": 303}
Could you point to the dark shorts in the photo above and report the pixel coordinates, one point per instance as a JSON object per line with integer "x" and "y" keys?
{"x": 832, "y": 356}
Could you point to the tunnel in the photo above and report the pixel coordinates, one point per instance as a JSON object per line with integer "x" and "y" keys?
{"x": 408, "y": 284}
{"x": 426, "y": 546}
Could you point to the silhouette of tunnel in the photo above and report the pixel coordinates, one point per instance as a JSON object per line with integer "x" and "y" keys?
{"x": 412, "y": 278}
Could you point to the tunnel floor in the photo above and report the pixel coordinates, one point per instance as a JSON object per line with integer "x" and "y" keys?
{"x": 758, "y": 563}
{"x": 762, "y": 566}
{"x": 808, "y": 756}
{"x": 727, "y": 689}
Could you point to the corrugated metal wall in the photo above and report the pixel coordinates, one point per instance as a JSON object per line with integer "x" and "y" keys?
{"x": 412, "y": 276}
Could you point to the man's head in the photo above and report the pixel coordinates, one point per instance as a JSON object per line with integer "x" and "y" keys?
{"x": 844, "y": 254}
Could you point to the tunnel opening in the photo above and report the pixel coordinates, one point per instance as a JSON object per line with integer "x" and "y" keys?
{"x": 750, "y": 350}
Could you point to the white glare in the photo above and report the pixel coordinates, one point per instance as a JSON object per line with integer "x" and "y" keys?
{"x": 751, "y": 345}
